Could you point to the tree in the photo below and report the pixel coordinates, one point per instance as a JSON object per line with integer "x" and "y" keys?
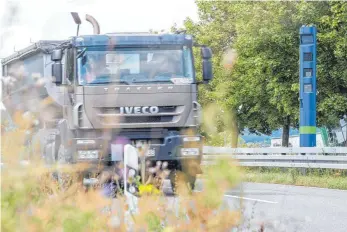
{"x": 263, "y": 88}
{"x": 332, "y": 65}
{"x": 209, "y": 32}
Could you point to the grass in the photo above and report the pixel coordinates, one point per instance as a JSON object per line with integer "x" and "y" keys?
{"x": 31, "y": 200}
{"x": 332, "y": 179}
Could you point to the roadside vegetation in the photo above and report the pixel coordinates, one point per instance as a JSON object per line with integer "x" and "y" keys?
{"x": 333, "y": 179}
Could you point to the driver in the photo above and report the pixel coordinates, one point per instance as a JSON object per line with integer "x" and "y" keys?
{"x": 95, "y": 68}
{"x": 163, "y": 64}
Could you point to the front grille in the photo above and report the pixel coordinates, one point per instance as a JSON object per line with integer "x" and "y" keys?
{"x": 147, "y": 119}
{"x": 148, "y": 141}
{"x": 167, "y": 109}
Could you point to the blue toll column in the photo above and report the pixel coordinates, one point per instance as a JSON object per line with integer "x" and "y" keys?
{"x": 308, "y": 60}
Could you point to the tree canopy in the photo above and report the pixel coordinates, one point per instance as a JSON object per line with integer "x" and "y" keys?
{"x": 261, "y": 90}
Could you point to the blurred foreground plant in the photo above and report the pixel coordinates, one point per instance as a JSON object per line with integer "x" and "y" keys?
{"x": 32, "y": 200}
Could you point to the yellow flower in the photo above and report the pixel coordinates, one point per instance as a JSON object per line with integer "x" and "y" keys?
{"x": 143, "y": 189}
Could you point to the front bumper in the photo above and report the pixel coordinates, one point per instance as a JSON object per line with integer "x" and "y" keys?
{"x": 169, "y": 148}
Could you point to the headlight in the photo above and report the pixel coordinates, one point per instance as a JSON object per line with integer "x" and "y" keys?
{"x": 89, "y": 154}
{"x": 190, "y": 151}
{"x": 51, "y": 137}
{"x": 90, "y": 181}
{"x": 79, "y": 142}
{"x": 191, "y": 139}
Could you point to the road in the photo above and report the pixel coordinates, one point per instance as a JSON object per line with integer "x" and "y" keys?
{"x": 292, "y": 208}
{"x": 288, "y": 208}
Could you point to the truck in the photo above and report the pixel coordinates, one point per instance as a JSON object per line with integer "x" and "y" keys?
{"x": 92, "y": 94}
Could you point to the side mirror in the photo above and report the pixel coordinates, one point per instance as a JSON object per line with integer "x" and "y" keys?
{"x": 57, "y": 55}
{"x": 207, "y": 74}
{"x": 57, "y": 73}
{"x": 57, "y": 67}
{"x": 206, "y": 55}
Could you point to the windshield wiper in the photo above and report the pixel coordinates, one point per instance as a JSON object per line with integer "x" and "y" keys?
{"x": 109, "y": 82}
{"x": 153, "y": 81}
{"x": 81, "y": 53}
{"x": 121, "y": 82}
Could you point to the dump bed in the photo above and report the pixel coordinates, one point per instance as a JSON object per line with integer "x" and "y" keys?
{"x": 29, "y": 60}
{"x": 44, "y": 46}
{"x": 29, "y": 67}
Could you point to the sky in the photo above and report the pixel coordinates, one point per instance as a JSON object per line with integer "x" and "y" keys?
{"x": 45, "y": 19}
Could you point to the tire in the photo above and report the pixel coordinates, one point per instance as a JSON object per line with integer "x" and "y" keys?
{"x": 35, "y": 147}
{"x": 62, "y": 158}
{"x": 172, "y": 178}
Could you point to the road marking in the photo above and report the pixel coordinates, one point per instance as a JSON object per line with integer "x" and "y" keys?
{"x": 251, "y": 199}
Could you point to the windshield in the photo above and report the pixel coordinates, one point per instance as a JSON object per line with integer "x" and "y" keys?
{"x": 130, "y": 66}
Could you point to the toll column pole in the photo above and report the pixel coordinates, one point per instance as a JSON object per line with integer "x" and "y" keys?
{"x": 308, "y": 89}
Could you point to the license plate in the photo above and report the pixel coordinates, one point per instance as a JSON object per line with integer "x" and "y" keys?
{"x": 88, "y": 155}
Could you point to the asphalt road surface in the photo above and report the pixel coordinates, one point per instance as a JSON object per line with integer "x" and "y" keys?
{"x": 288, "y": 208}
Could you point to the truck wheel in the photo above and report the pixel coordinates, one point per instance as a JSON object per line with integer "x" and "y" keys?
{"x": 63, "y": 157}
{"x": 35, "y": 148}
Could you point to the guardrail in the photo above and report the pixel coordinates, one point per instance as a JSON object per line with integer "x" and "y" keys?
{"x": 327, "y": 157}
{"x": 276, "y": 150}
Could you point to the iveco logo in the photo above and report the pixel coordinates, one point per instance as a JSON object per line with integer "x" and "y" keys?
{"x": 139, "y": 110}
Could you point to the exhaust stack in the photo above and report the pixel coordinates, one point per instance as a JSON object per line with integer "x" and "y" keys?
{"x": 95, "y": 24}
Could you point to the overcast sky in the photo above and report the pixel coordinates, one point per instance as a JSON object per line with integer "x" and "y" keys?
{"x": 45, "y": 19}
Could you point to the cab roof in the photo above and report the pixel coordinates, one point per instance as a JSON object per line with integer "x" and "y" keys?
{"x": 132, "y": 39}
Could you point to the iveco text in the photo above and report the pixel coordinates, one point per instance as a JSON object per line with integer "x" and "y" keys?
{"x": 139, "y": 110}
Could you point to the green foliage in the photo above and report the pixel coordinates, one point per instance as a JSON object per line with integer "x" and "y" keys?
{"x": 335, "y": 179}
{"x": 332, "y": 64}
{"x": 262, "y": 87}
{"x": 154, "y": 222}
{"x": 220, "y": 174}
